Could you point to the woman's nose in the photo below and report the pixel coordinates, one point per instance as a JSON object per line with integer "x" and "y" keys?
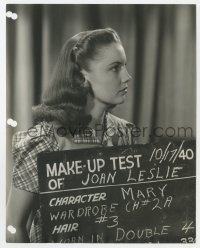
{"x": 126, "y": 77}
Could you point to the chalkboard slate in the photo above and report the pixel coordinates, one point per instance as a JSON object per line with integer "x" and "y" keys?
{"x": 127, "y": 194}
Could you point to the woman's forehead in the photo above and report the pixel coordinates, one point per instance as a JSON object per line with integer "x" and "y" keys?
{"x": 111, "y": 53}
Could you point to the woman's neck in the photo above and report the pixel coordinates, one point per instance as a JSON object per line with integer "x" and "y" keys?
{"x": 97, "y": 111}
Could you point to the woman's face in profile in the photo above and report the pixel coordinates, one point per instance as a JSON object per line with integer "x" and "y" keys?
{"x": 108, "y": 75}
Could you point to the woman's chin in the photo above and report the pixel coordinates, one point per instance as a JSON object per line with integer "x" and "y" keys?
{"x": 115, "y": 102}
{"x": 120, "y": 101}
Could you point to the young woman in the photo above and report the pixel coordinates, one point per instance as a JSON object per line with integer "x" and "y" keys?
{"x": 89, "y": 79}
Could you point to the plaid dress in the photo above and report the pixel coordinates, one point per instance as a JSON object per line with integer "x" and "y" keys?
{"x": 26, "y": 145}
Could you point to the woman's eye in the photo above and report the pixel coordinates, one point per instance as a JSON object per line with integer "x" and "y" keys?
{"x": 116, "y": 68}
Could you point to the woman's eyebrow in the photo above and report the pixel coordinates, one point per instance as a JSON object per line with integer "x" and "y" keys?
{"x": 118, "y": 62}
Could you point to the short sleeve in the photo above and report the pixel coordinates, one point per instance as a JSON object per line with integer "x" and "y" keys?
{"x": 25, "y": 148}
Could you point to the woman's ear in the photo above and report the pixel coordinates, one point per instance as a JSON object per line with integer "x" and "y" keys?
{"x": 85, "y": 74}
{"x": 85, "y": 83}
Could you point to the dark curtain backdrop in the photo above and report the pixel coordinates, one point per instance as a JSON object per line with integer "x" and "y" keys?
{"x": 160, "y": 42}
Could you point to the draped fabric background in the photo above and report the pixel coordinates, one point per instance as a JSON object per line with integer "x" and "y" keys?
{"x": 160, "y": 43}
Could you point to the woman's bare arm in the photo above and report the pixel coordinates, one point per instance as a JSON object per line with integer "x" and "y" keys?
{"x": 19, "y": 207}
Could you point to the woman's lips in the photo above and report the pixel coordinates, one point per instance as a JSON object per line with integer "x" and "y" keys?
{"x": 124, "y": 90}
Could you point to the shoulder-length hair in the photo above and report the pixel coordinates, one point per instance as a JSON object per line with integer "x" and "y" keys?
{"x": 65, "y": 98}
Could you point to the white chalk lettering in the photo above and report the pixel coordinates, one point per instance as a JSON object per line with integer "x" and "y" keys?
{"x": 56, "y": 183}
{"x": 132, "y": 206}
{"x": 99, "y": 178}
{"x": 147, "y": 233}
{"x": 162, "y": 190}
{"x": 96, "y": 163}
{"x": 97, "y": 238}
{"x": 75, "y": 167}
{"x": 154, "y": 174}
{"x": 123, "y": 163}
{"x": 60, "y": 201}
{"x": 65, "y": 228}
{"x": 73, "y": 239}
{"x": 132, "y": 194}
{"x": 175, "y": 171}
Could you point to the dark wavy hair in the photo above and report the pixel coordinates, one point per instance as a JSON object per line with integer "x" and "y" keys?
{"x": 66, "y": 96}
